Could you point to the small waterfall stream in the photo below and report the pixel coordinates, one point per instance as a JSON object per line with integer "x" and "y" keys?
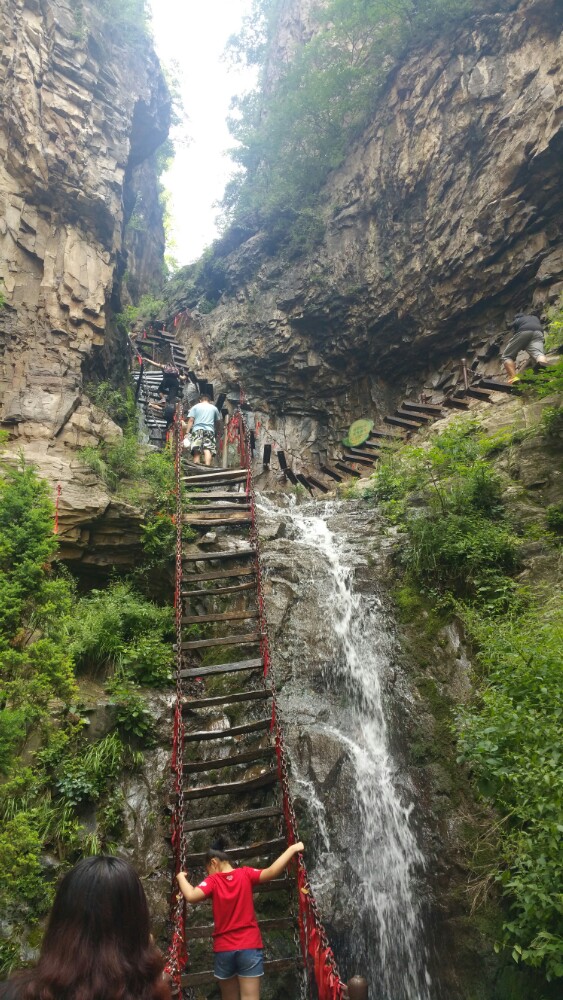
{"x": 386, "y": 939}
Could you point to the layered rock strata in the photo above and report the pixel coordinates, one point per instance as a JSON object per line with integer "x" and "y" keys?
{"x": 84, "y": 106}
{"x": 444, "y": 220}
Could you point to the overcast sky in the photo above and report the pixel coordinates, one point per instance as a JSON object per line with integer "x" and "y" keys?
{"x": 193, "y": 36}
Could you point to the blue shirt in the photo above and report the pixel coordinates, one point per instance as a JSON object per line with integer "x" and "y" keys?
{"x": 204, "y": 416}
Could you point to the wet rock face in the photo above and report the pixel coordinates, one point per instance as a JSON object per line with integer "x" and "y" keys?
{"x": 444, "y": 220}
{"x": 82, "y": 110}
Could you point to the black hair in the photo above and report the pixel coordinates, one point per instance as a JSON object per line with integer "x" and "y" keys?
{"x": 217, "y": 850}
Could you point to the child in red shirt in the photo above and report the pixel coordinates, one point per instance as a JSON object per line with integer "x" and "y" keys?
{"x": 237, "y": 943}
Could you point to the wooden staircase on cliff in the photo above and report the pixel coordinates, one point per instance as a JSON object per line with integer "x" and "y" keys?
{"x": 231, "y": 781}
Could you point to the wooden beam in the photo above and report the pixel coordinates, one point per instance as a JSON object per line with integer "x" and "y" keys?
{"x": 218, "y": 574}
{"x": 246, "y": 757}
{"x": 273, "y": 924}
{"x": 401, "y": 422}
{"x": 267, "y": 456}
{"x": 317, "y": 484}
{"x": 331, "y": 472}
{"x": 220, "y": 477}
{"x": 228, "y": 554}
{"x": 208, "y": 522}
{"x": 361, "y": 457}
{"x": 432, "y": 408}
{"x": 227, "y": 616}
{"x": 304, "y": 482}
{"x": 219, "y": 591}
{"x": 274, "y": 967}
{"x": 348, "y": 469}
{"x": 222, "y": 508}
{"x": 227, "y": 640}
{"x": 264, "y": 847}
{"x": 218, "y": 734}
{"x": 223, "y": 668}
{"x": 232, "y": 787}
{"x": 219, "y": 495}
{"x": 420, "y": 418}
{"x": 225, "y": 699}
{"x": 495, "y": 385}
{"x": 282, "y": 460}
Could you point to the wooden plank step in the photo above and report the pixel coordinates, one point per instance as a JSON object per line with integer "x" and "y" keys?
{"x": 348, "y": 469}
{"x": 495, "y": 385}
{"x": 331, "y": 472}
{"x": 208, "y": 472}
{"x": 221, "y": 734}
{"x": 219, "y": 591}
{"x": 228, "y": 554}
{"x": 219, "y": 495}
{"x": 208, "y": 480}
{"x": 456, "y": 403}
{"x": 222, "y": 508}
{"x": 273, "y": 924}
{"x": 246, "y": 757}
{"x": 227, "y": 640}
{"x": 412, "y": 425}
{"x": 420, "y": 418}
{"x": 317, "y": 484}
{"x": 383, "y": 435}
{"x": 223, "y": 668}
{"x": 225, "y": 699}
{"x": 431, "y": 408}
{"x": 357, "y": 455}
{"x": 264, "y": 847}
{"x": 477, "y": 393}
{"x": 227, "y": 616}
{"x": 205, "y": 522}
{"x": 218, "y": 574}
{"x": 272, "y": 967}
{"x": 231, "y": 788}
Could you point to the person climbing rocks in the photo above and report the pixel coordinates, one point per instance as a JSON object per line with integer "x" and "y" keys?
{"x": 237, "y": 942}
{"x": 527, "y": 336}
{"x": 203, "y": 419}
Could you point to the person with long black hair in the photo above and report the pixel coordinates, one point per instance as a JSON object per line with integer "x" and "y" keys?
{"x": 237, "y": 942}
{"x": 97, "y": 944}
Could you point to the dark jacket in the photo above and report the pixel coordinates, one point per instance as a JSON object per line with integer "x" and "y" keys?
{"x": 523, "y": 322}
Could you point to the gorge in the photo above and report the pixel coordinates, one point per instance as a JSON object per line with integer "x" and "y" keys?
{"x": 395, "y": 284}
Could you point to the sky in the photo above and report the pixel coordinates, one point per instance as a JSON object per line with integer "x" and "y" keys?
{"x": 193, "y": 36}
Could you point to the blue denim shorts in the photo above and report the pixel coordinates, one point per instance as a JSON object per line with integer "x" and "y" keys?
{"x": 247, "y": 962}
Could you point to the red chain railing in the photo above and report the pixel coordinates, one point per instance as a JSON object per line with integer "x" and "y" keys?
{"x": 178, "y": 953}
{"x": 317, "y": 953}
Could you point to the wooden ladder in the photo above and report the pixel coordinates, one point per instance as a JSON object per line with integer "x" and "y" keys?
{"x": 231, "y": 782}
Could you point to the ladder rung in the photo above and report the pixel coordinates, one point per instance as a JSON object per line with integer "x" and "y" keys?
{"x": 361, "y": 457}
{"x": 274, "y": 924}
{"x": 401, "y": 422}
{"x": 230, "y": 788}
{"x": 220, "y": 508}
{"x": 227, "y": 640}
{"x": 219, "y": 574}
{"x": 221, "y": 734}
{"x": 223, "y": 668}
{"x": 218, "y": 591}
{"x": 225, "y": 495}
{"x": 264, "y": 847}
{"x": 421, "y": 418}
{"x": 228, "y": 616}
{"x": 226, "y": 699}
{"x": 276, "y": 965}
{"x": 208, "y": 522}
{"x": 247, "y": 757}
{"x": 431, "y": 408}
{"x": 229, "y": 554}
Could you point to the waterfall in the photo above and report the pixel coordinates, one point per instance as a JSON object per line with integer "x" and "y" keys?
{"x": 386, "y": 940}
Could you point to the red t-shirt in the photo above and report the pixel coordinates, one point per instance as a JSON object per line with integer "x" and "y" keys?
{"x": 233, "y": 909}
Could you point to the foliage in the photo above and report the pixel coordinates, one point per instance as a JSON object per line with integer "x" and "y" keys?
{"x": 118, "y": 628}
{"x": 459, "y": 553}
{"x": 117, "y": 401}
{"x": 294, "y": 129}
{"x": 133, "y": 716}
{"x": 554, "y": 330}
{"x": 544, "y": 382}
{"x": 512, "y": 741}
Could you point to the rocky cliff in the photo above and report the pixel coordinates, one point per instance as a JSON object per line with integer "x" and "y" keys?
{"x": 445, "y": 218}
{"x": 84, "y": 107}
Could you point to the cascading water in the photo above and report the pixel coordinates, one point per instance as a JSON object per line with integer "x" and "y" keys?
{"x": 386, "y": 938}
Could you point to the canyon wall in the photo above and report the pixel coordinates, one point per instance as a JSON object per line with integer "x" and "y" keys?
{"x": 84, "y": 107}
{"x": 444, "y": 220}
